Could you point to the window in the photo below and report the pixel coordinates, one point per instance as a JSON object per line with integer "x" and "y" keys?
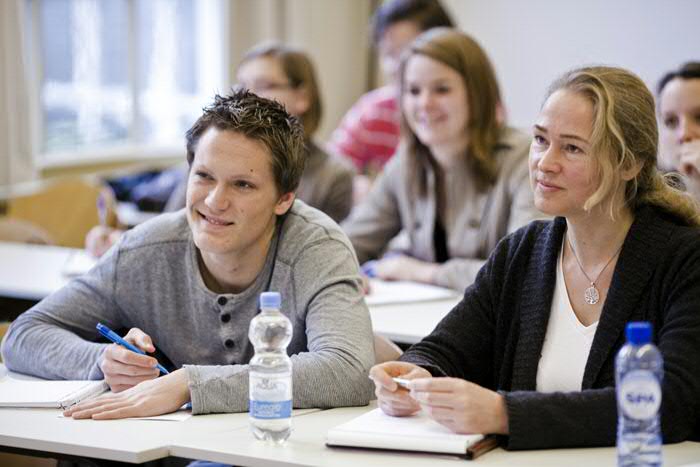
{"x": 121, "y": 78}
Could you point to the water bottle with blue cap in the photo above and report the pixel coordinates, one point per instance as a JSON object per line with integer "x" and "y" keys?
{"x": 639, "y": 372}
{"x": 270, "y": 372}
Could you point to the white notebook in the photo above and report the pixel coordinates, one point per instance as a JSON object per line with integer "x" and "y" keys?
{"x": 53, "y": 394}
{"x": 377, "y": 430}
{"x": 388, "y": 292}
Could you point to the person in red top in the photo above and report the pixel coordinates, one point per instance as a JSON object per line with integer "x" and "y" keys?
{"x": 369, "y": 132}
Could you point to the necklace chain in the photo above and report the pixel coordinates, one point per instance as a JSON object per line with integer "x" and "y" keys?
{"x": 591, "y": 294}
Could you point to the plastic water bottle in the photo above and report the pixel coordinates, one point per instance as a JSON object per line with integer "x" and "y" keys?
{"x": 638, "y": 377}
{"x": 270, "y": 372}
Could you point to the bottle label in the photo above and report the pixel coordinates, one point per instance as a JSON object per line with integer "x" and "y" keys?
{"x": 640, "y": 395}
{"x": 270, "y": 396}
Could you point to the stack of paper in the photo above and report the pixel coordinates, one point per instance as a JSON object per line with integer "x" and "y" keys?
{"x": 377, "y": 430}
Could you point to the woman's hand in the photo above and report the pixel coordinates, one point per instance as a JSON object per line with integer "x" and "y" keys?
{"x": 123, "y": 368}
{"x": 154, "y": 397}
{"x": 100, "y": 239}
{"x": 398, "y": 267}
{"x": 689, "y": 166}
{"x": 393, "y": 399}
{"x": 461, "y": 406}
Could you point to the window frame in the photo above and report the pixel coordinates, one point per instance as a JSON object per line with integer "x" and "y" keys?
{"x": 128, "y": 151}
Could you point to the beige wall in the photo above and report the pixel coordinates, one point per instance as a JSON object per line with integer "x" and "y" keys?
{"x": 532, "y": 42}
{"x": 333, "y": 32}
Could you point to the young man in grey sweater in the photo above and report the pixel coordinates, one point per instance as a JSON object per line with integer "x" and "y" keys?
{"x": 187, "y": 284}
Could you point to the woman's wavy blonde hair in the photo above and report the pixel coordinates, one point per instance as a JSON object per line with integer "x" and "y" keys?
{"x": 625, "y": 137}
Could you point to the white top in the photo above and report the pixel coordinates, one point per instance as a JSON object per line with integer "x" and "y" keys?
{"x": 567, "y": 343}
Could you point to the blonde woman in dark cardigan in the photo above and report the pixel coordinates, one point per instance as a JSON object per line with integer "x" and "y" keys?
{"x": 529, "y": 351}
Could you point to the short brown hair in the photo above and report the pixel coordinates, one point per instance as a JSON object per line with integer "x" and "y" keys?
{"x": 463, "y": 54}
{"x": 625, "y": 136}
{"x": 299, "y": 70}
{"x": 260, "y": 119}
{"x": 426, "y": 14}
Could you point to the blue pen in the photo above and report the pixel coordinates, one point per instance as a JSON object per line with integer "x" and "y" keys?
{"x": 117, "y": 339}
{"x": 369, "y": 268}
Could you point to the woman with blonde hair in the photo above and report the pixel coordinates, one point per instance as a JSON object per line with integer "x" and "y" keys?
{"x": 529, "y": 352}
{"x": 458, "y": 183}
{"x": 285, "y": 74}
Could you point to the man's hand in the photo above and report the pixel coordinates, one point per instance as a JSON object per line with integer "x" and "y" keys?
{"x": 155, "y": 397}
{"x": 123, "y": 368}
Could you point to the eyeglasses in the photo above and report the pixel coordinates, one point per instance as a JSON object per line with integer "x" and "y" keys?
{"x": 265, "y": 86}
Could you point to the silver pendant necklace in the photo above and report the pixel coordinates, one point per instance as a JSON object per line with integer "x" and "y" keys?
{"x": 591, "y": 294}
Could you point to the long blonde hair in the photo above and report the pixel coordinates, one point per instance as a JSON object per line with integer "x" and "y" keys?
{"x": 625, "y": 136}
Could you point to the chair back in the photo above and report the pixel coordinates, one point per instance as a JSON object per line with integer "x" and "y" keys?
{"x": 65, "y": 209}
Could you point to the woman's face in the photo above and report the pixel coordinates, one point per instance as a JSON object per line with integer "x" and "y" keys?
{"x": 562, "y": 167}
{"x": 265, "y": 77}
{"x": 393, "y": 42}
{"x": 435, "y": 104}
{"x": 679, "y": 108}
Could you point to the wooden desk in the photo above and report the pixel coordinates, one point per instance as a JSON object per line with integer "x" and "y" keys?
{"x": 306, "y": 447}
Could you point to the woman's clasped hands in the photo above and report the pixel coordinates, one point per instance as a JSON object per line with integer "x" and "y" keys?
{"x": 459, "y": 405}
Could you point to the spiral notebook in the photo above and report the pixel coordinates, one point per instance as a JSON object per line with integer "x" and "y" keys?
{"x": 50, "y": 394}
{"x": 376, "y": 430}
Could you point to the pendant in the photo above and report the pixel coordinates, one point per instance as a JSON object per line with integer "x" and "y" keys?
{"x": 591, "y": 295}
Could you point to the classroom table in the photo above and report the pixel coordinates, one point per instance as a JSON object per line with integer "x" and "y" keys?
{"x": 44, "y": 431}
{"x": 31, "y": 272}
{"x": 306, "y": 447}
{"x": 226, "y": 438}
{"x": 408, "y": 323}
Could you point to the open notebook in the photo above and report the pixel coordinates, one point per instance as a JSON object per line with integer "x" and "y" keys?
{"x": 377, "y": 430}
{"x": 54, "y": 394}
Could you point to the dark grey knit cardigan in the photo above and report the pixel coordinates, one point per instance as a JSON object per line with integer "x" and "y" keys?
{"x": 494, "y": 336}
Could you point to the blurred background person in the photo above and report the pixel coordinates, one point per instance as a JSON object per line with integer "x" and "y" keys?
{"x": 679, "y": 116}
{"x": 458, "y": 183}
{"x": 287, "y": 75}
{"x": 368, "y": 134}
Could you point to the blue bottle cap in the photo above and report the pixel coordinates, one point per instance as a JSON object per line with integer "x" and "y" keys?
{"x": 270, "y": 300}
{"x": 638, "y": 332}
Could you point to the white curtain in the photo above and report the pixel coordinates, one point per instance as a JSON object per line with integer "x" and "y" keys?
{"x": 334, "y": 33}
{"x": 15, "y": 133}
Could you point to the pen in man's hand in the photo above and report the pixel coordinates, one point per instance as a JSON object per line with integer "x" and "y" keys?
{"x": 117, "y": 339}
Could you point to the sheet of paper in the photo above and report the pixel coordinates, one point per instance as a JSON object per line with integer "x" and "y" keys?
{"x": 22, "y": 393}
{"x": 179, "y": 416}
{"x": 78, "y": 263}
{"x": 387, "y": 292}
